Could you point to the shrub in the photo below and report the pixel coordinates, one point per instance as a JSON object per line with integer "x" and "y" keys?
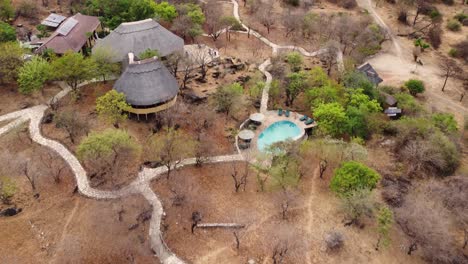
{"x": 352, "y": 176}
{"x": 7, "y": 32}
{"x": 7, "y": 11}
{"x": 294, "y": 60}
{"x": 7, "y": 189}
{"x": 454, "y": 25}
{"x": 448, "y": 2}
{"x": 445, "y": 122}
{"x": 408, "y": 103}
{"x": 421, "y": 43}
{"x": 435, "y": 36}
{"x": 462, "y": 50}
{"x": 461, "y": 17}
{"x": 334, "y": 240}
{"x": 148, "y": 53}
{"x": 453, "y": 53}
{"x": 415, "y": 86}
{"x": 292, "y": 2}
{"x": 27, "y": 8}
{"x": 33, "y": 75}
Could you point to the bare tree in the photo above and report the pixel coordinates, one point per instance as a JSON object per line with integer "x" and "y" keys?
{"x": 236, "y": 237}
{"x": 279, "y": 252}
{"x": 196, "y": 218}
{"x": 334, "y": 240}
{"x": 187, "y": 70}
{"x": 53, "y": 164}
{"x": 265, "y": 16}
{"x": 240, "y": 178}
{"x": 213, "y": 16}
{"x": 449, "y": 69}
{"x": 329, "y": 56}
{"x": 465, "y": 85}
{"x": 73, "y": 125}
{"x": 202, "y": 59}
{"x": 173, "y": 62}
{"x": 291, "y": 22}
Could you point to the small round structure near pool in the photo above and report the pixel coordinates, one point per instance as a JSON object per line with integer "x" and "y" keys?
{"x": 276, "y": 132}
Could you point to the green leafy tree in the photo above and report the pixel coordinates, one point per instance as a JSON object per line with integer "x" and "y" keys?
{"x": 297, "y": 83}
{"x": 408, "y": 103}
{"x": 384, "y": 224}
{"x": 329, "y": 93}
{"x": 445, "y": 122}
{"x": 148, "y": 53}
{"x": 284, "y": 171}
{"x": 7, "y": 32}
{"x": 8, "y": 189}
{"x": 331, "y": 119}
{"x": 170, "y": 147}
{"x": 7, "y": 11}
{"x": 110, "y": 152}
{"x": 190, "y": 20}
{"x": 358, "y": 80}
{"x": 73, "y": 68}
{"x": 295, "y": 61}
{"x": 141, "y": 9}
{"x": 229, "y": 98}
{"x": 415, "y": 86}
{"x": 165, "y": 11}
{"x": 357, "y": 204}
{"x": 112, "y": 107}
{"x": 104, "y": 66}
{"x": 359, "y": 107}
{"x": 11, "y": 59}
{"x": 352, "y": 176}
{"x": 33, "y": 75}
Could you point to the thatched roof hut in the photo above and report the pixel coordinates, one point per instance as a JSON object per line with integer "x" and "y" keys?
{"x": 147, "y": 84}
{"x": 139, "y": 36}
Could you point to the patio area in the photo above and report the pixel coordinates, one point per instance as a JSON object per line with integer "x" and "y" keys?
{"x": 257, "y": 123}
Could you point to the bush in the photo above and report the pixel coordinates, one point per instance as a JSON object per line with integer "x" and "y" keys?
{"x": 352, "y": 176}
{"x": 334, "y": 240}
{"x": 462, "y": 50}
{"x": 7, "y": 189}
{"x": 292, "y": 2}
{"x": 461, "y": 17}
{"x": 454, "y": 25}
{"x": 33, "y": 75}
{"x": 415, "y": 86}
{"x": 453, "y": 53}
{"x": 435, "y": 36}
{"x": 421, "y": 43}
{"x": 7, "y": 32}
{"x": 27, "y": 8}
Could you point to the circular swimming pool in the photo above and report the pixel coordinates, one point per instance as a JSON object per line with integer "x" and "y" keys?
{"x": 276, "y": 132}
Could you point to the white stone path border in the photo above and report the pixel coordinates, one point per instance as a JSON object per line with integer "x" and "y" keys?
{"x": 141, "y": 185}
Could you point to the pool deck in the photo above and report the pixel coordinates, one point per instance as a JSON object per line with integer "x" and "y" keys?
{"x": 272, "y": 117}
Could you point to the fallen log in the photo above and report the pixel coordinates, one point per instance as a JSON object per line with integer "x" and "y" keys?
{"x": 220, "y": 225}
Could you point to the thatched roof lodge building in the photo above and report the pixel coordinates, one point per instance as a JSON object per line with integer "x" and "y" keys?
{"x": 139, "y": 36}
{"x": 148, "y": 86}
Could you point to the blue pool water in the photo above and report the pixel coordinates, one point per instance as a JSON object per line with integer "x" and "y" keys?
{"x": 276, "y": 132}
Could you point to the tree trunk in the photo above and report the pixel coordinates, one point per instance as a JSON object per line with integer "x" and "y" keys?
{"x": 445, "y": 82}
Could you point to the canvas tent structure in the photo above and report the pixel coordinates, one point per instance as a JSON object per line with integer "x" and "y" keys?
{"x": 139, "y": 36}
{"x": 148, "y": 85}
{"x": 76, "y": 34}
{"x": 371, "y": 73}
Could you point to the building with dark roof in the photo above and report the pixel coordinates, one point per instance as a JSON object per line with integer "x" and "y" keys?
{"x": 139, "y": 36}
{"x": 148, "y": 85}
{"x": 76, "y": 34}
{"x": 371, "y": 73}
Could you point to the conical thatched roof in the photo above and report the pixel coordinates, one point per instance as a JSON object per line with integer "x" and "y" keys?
{"x": 147, "y": 82}
{"x": 139, "y": 36}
